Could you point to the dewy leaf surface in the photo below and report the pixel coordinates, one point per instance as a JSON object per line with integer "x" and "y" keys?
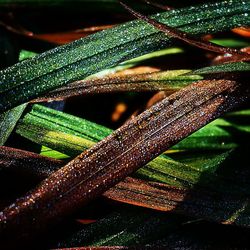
{"x": 195, "y": 202}
{"x": 184, "y": 36}
{"x": 124, "y": 151}
{"x": 24, "y": 162}
{"x": 224, "y": 68}
{"x": 43, "y": 125}
{"x": 169, "y": 81}
{"x": 9, "y": 118}
{"x": 8, "y": 121}
{"x": 63, "y": 132}
{"x": 65, "y": 64}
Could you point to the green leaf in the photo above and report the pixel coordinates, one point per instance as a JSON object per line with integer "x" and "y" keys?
{"x": 9, "y": 118}
{"x": 218, "y": 135}
{"x": 229, "y": 42}
{"x": 25, "y": 54}
{"x": 127, "y": 226}
{"x": 40, "y": 122}
{"x": 48, "y": 152}
{"x": 45, "y": 126}
{"x": 68, "y": 63}
{"x": 168, "y": 81}
{"x": 8, "y": 121}
{"x": 224, "y": 68}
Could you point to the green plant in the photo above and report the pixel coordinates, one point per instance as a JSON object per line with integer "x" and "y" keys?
{"x": 195, "y": 179}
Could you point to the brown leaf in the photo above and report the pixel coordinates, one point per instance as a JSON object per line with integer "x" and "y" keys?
{"x": 153, "y": 81}
{"x": 20, "y": 161}
{"x": 196, "y": 203}
{"x": 58, "y": 38}
{"x": 123, "y": 152}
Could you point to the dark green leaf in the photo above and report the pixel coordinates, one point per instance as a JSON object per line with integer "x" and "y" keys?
{"x": 224, "y": 68}
{"x": 8, "y": 121}
{"x": 87, "y": 56}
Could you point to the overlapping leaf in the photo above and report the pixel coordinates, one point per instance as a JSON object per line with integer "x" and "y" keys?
{"x": 70, "y": 135}
{"x": 135, "y": 143}
{"x": 52, "y": 69}
{"x": 168, "y": 81}
{"x": 109, "y": 161}
{"x": 8, "y": 121}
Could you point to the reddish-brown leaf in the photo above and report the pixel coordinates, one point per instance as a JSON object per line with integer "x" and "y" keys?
{"x": 124, "y": 151}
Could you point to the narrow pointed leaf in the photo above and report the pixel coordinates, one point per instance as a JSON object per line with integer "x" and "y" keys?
{"x": 75, "y": 61}
{"x": 224, "y": 68}
{"x": 169, "y": 81}
{"x": 123, "y": 152}
{"x": 8, "y": 121}
{"x": 27, "y": 163}
{"x": 188, "y": 174}
{"x": 200, "y": 43}
{"x": 9, "y": 118}
{"x": 195, "y": 203}
{"x": 44, "y": 126}
{"x": 211, "y": 205}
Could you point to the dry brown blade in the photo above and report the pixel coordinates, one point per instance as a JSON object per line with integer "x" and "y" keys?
{"x": 17, "y": 30}
{"x": 123, "y": 152}
{"x": 20, "y": 161}
{"x": 69, "y": 36}
{"x": 196, "y": 203}
{"x": 136, "y": 82}
{"x": 187, "y": 37}
{"x": 156, "y": 98}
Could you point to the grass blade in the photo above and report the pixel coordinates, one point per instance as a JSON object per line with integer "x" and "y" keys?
{"x": 169, "y": 81}
{"x": 44, "y": 126}
{"x": 8, "y": 121}
{"x": 124, "y": 151}
{"x": 27, "y": 163}
{"x": 211, "y": 205}
{"x": 195, "y": 203}
{"x": 186, "y": 37}
{"x": 68, "y": 63}
{"x": 224, "y": 68}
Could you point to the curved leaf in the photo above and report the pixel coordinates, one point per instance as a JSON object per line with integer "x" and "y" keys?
{"x": 68, "y": 63}
{"x": 123, "y": 152}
